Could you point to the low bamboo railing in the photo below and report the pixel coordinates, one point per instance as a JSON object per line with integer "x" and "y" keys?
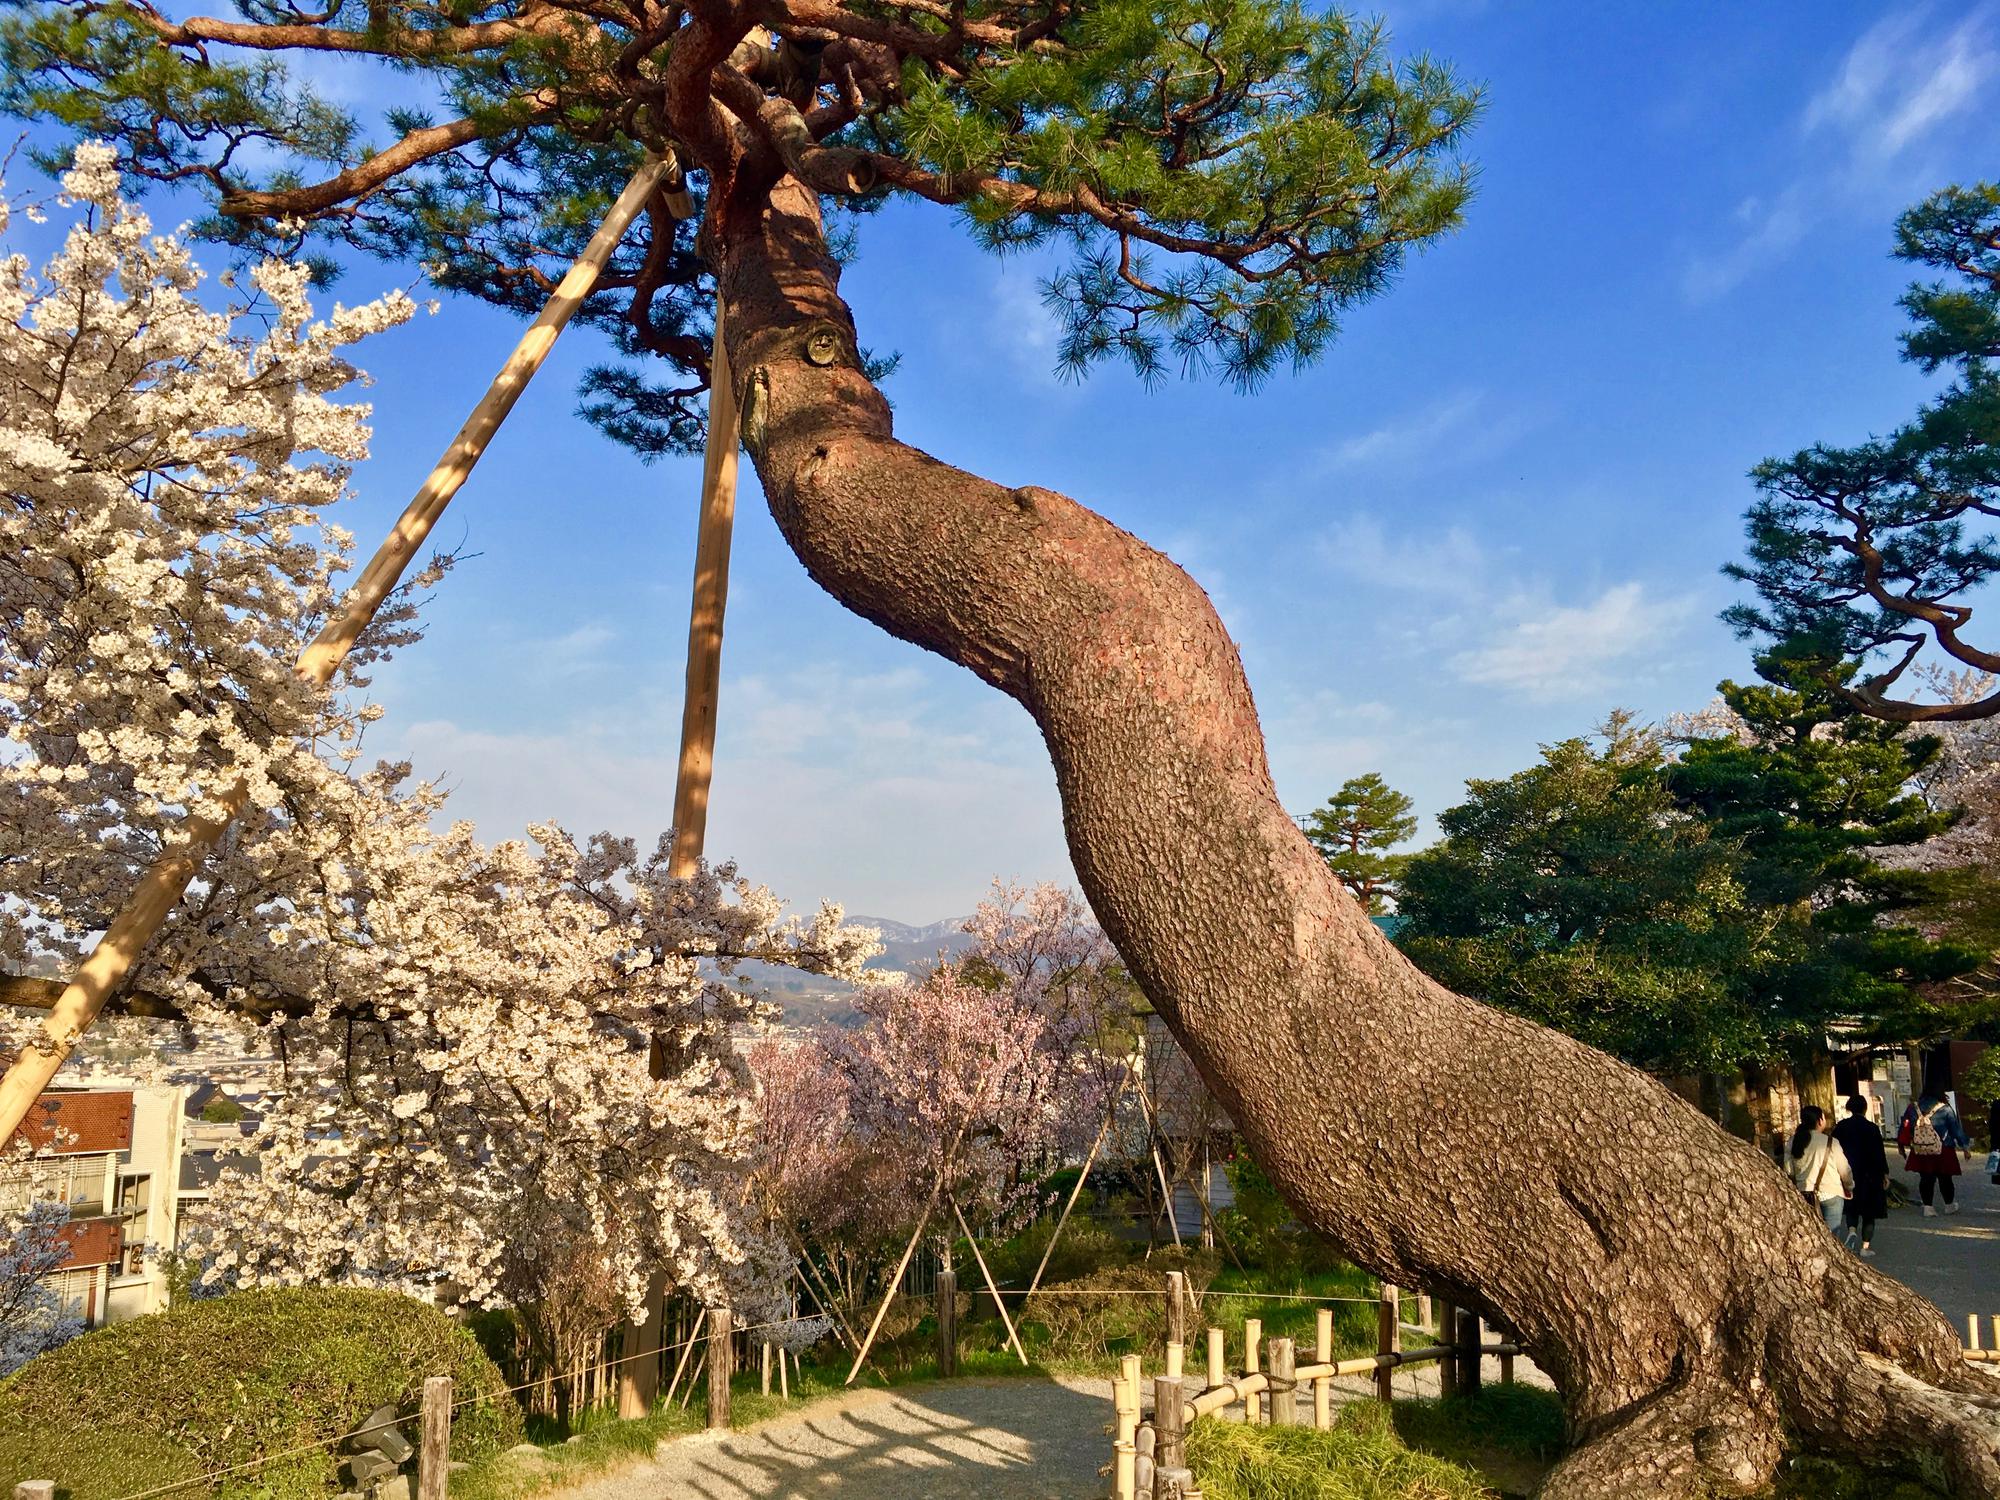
{"x": 1149, "y": 1455}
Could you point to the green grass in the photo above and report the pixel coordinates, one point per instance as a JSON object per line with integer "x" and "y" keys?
{"x": 1362, "y": 1458}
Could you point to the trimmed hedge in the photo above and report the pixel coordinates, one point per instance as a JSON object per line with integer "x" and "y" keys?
{"x": 233, "y": 1380}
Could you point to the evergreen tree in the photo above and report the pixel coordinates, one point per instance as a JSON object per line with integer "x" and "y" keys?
{"x": 1354, "y": 833}
{"x": 1809, "y": 791}
{"x": 1863, "y": 557}
{"x": 1579, "y": 894}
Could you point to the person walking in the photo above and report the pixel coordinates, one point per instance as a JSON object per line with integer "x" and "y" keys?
{"x": 1930, "y": 1137}
{"x": 1819, "y": 1166}
{"x": 1860, "y": 1141}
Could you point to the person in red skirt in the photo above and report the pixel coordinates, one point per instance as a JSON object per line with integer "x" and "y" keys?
{"x": 1931, "y": 1138}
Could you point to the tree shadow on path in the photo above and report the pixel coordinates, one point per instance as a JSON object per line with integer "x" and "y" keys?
{"x": 963, "y": 1440}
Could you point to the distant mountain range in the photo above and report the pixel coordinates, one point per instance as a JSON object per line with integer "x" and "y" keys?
{"x": 808, "y": 998}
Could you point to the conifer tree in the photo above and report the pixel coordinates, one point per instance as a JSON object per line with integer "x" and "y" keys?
{"x": 1226, "y": 177}
{"x": 1354, "y": 832}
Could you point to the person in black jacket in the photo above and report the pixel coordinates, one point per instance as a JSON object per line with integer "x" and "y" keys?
{"x": 1861, "y": 1139}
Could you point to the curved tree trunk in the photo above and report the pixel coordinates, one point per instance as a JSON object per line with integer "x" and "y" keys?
{"x": 1693, "y": 1311}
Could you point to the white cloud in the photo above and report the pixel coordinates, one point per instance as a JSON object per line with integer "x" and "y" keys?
{"x": 1362, "y": 549}
{"x": 1550, "y": 651}
{"x": 1458, "y": 428}
{"x": 1902, "y": 80}
{"x": 897, "y": 793}
{"x": 1022, "y": 327}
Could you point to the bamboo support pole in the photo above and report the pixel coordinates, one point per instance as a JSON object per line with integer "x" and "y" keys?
{"x": 1323, "y": 1354}
{"x": 639, "y": 1382}
{"x": 999, "y": 1302}
{"x": 1972, "y": 1332}
{"x": 1253, "y": 1338}
{"x": 1077, "y": 1191}
{"x": 895, "y": 1280}
{"x": 1125, "y": 1406}
{"x": 1218, "y": 1370}
{"x": 162, "y": 886}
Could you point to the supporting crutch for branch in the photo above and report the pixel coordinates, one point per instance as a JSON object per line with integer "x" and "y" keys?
{"x": 639, "y": 1382}
{"x": 895, "y": 1279}
{"x": 163, "y": 885}
{"x": 1110, "y": 1115}
{"x": 966, "y": 1229}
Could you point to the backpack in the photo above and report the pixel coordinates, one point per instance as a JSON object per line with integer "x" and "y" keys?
{"x": 1924, "y": 1137}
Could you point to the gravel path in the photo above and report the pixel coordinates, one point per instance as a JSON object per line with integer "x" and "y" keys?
{"x": 1015, "y": 1439}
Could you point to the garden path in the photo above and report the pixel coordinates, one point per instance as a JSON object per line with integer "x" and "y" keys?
{"x": 1952, "y": 1259}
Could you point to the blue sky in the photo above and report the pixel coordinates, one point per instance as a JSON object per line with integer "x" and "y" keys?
{"x": 1493, "y": 512}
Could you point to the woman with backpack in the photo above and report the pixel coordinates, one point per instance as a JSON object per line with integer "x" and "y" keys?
{"x": 1819, "y": 1167}
{"x": 1930, "y": 1137}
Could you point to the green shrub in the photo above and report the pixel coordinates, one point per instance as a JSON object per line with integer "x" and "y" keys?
{"x": 234, "y": 1380}
{"x": 222, "y": 1110}
{"x": 1360, "y": 1459}
{"x": 1116, "y": 1310}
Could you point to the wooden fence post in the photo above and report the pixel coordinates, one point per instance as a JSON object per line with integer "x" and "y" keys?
{"x": 1388, "y": 1339}
{"x": 434, "y": 1460}
{"x": 1424, "y": 1311}
{"x": 1448, "y": 1337}
{"x": 1170, "y": 1435}
{"x": 1177, "y": 1308}
{"x": 1470, "y": 1338}
{"x": 35, "y": 1489}
{"x": 947, "y": 1324}
{"x": 721, "y": 1365}
{"x": 1253, "y": 1338}
{"x": 1323, "y": 1354}
{"x": 1284, "y": 1384}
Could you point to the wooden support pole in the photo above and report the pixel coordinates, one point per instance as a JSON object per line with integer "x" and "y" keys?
{"x": 1996, "y": 1327}
{"x": 1424, "y": 1312}
{"x": 1323, "y": 1355}
{"x": 1110, "y": 1114}
{"x": 784, "y": 1382}
{"x": 1284, "y": 1384}
{"x": 947, "y": 1324}
{"x": 1447, "y": 1336}
{"x": 1218, "y": 1360}
{"x": 162, "y": 886}
{"x": 1169, "y": 1429}
{"x": 1253, "y": 1338}
{"x": 434, "y": 1458}
{"x": 1388, "y": 1339}
{"x": 1470, "y": 1338}
{"x": 998, "y": 1301}
{"x": 1177, "y": 1307}
{"x": 721, "y": 1365}
{"x": 1507, "y": 1365}
{"x": 687, "y": 1352}
{"x": 895, "y": 1280}
{"x": 764, "y": 1373}
{"x": 1972, "y": 1330}
{"x": 1176, "y": 1360}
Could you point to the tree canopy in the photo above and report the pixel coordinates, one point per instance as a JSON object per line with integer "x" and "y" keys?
{"x": 1865, "y": 556}
{"x": 1226, "y": 175}
{"x": 1354, "y": 831}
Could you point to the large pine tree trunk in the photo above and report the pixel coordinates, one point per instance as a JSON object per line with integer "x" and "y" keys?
{"x": 1689, "y": 1305}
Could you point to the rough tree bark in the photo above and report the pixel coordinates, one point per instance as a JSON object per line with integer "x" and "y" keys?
{"x": 1696, "y": 1315}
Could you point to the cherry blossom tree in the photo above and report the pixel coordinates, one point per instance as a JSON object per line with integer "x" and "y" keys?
{"x": 469, "y": 1034}
{"x": 33, "y": 1248}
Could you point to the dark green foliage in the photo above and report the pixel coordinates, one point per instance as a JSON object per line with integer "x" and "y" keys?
{"x": 222, "y": 1110}
{"x": 1806, "y": 797}
{"x": 1230, "y": 174}
{"x": 234, "y": 1379}
{"x": 1262, "y": 1231}
{"x": 1579, "y": 894}
{"x": 1354, "y": 833}
{"x": 1863, "y": 556}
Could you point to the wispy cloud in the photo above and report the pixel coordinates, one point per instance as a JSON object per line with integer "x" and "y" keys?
{"x": 1492, "y": 622}
{"x": 1458, "y": 428}
{"x": 1903, "y": 79}
{"x": 1552, "y": 651}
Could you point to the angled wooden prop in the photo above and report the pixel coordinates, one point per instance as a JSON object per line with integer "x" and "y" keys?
{"x": 163, "y": 885}
{"x": 993, "y": 1288}
{"x": 639, "y": 1380}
